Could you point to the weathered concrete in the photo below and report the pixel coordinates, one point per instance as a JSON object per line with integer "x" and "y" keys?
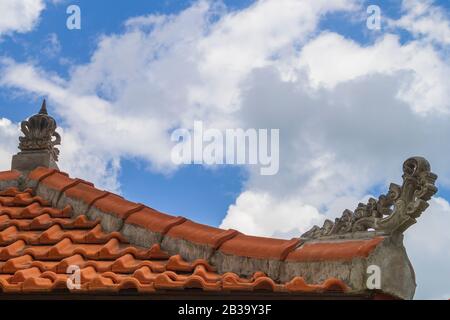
{"x": 397, "y": 274}
{"x": 79, "y": 207}
{"x": 187, "y": 249}
{"x": 351, "y": 272}
{"x": 4, "y": 184}
{"x": 140, "y": 236}
{"x": 27, "y": 161}
{"x": 245, "y": 266}
{"x": 48, "y": 194}
{"x": 109, "y": 221}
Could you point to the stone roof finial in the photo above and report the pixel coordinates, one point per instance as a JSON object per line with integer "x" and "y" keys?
{"x": 391, "y": 213}
{"x": 37, "y": 145}
{"x": 43, "y": 107}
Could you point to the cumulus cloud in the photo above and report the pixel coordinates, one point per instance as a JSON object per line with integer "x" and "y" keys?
{"x": 9, "y": 133}
{"x": 51, "y": 45}
{"x": 168, "y": 78}
{"x": 427, "y": 246}
{"x": 19, "y": 15}
{"x": 246, "y": 214}
{"x": 95, "y": 120}
{"x": 427, "y": 90}
{"x": 338, "y": 144}
{"x": 424, "y": 20}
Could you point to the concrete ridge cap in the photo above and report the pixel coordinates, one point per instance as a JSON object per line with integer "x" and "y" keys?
{"x": 65, "y": 249}
{"x": 227, "y": 241}
{"x": 221, "y": 240}
{"x": 259, "y": 247}
{"x": 11, "y": 178}
{"x": 8, "y": 175}
{"x": 343, "y": 250}
{"x": 363, "y": 235}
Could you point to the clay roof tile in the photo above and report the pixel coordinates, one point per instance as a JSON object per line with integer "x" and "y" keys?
{"x": 259, "y": 247}
{"x": 39, "y": 243}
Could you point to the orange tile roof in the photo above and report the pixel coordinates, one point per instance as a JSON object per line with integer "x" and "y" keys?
{"x": 201, "y": 234}
{"x": 38, "y": 243}
{"x": 326, "y": 251}
{"x": 9, "y": 175}
{"x": 153, "y": 220}
{"x": 259, "y": 247}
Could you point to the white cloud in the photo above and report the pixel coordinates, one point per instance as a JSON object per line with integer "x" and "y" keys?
{"x": 82, "y": 161}
{"x": 51, "y": 45}
{"x": 424, "y": 20}
{"x": 427, "y": 246}
{"x": 427, "y": 89}
{"x": 249, "y": 39}
{"x": 286, "y": 215}
{"x": 19, "y": 15}
{"x": 140, "y": 84}
{"x": 338, "y": 144}
{"x": 97, "y": 136}
{"x": 9, "y": 133}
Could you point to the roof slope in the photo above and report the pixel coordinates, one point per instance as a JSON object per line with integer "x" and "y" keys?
{"x": 49, "y": 221}
{"x": 38, "y": 243}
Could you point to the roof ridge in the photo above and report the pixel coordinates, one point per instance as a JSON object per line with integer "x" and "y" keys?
{"x": 42, "y": 176}
{"x": 229, "y": 250}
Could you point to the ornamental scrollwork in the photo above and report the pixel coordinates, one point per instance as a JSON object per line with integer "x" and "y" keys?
{"x": 40, "y": 133}
{"x": 393, "y": 212}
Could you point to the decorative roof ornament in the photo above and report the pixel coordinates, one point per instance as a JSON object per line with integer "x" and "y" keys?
{"x": 40, "y": 133}
{"x": 391, "y": 213}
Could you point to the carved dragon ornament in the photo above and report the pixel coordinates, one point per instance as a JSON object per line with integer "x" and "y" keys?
{"x": 391, "y": 213}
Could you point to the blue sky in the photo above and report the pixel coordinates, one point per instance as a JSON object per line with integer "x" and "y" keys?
{"x": 201, "y": 194}
{"x": 351, "y": 104}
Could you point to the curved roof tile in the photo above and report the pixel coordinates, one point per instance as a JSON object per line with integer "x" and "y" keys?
{"x": 36, "y": 250}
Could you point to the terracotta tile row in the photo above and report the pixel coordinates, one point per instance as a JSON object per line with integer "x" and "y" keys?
{"x": 34, "y": 210}
{"x": 117, "y": 206}
{"x": 154, "y": 221}
{"x": 9, "y": 175}
{"x": 144, "y": 280}
{"x": 124, "y": 264}
{"x": 202, "y": 234}
{"x": 334, "y": 251}
{"x": 259, "y": 247}
{"x": 36, "y": 251}
{"x": 13, "y": 191}
{"x": 20, "y": 199}
{"x": 55, "y": 234}
{"x": 227, "y": 241}
{"x": 44, "y": 221}
{"x": 112, "y": 249}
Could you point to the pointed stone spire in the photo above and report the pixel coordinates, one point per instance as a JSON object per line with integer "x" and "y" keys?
{"x": 43, "y": 108}
{"x": 38, "y": 142}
